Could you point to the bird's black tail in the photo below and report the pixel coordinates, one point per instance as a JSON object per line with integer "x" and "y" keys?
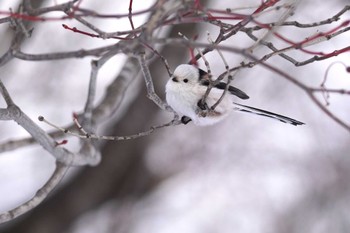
{"x": 284, "y": 119}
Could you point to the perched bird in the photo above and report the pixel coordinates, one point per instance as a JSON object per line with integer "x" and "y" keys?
{"x": 186, "y": 88}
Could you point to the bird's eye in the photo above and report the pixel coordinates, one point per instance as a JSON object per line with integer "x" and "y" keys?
{"x": 185, "y": 80}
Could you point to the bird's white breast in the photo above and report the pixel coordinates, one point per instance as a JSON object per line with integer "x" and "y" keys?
{"x": 182, "y": 101}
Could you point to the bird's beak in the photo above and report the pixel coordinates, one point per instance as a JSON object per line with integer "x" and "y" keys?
{"x": 175, "y": 79}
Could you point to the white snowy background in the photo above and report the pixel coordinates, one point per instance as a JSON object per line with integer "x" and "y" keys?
{"x": 243, "y": 175}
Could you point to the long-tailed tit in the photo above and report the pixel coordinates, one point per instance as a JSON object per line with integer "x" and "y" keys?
{"x": 186, "y": 88}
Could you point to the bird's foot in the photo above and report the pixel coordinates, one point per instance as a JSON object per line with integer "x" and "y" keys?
{"x": 203, "y": 108}
{"x": 202, "y": 105}
{"x": 185, "y": 120}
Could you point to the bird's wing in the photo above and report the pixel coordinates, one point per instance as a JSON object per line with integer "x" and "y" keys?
{"x": 245, "y": 108}
{"x": 233, "y": 90}
{"x": 204, "y": 80}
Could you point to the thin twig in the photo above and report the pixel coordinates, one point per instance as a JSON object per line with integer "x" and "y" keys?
{"x": 201, "y": 109}
{"x": 151, "y": 94}
{"x": 5, "y": 94}
{"x": 228, "y": 73}
{"x": 84, "y": 135}
{"x": 130, "y": 15}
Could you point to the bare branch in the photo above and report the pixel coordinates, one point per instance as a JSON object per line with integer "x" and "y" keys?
{"x": 84, "y": 135}
{"x": 64, "y": 55}
{"x": 5, "y": 94}
{"x": 133, "y": 43}
{"x": 151, "y": 94}
{"x": 40, "y": 195}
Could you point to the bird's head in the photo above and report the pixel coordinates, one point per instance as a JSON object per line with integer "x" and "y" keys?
{"x": 185, "y": 75}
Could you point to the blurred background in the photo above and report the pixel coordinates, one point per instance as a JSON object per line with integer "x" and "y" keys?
{"x": 246, "y": 174}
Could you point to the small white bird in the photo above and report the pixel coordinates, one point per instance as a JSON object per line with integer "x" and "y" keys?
{"x": 188, "y": 85}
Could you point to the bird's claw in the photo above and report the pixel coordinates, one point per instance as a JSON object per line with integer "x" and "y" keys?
{"x": 185, "y": 120}
{"x": 202, "y": 105}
